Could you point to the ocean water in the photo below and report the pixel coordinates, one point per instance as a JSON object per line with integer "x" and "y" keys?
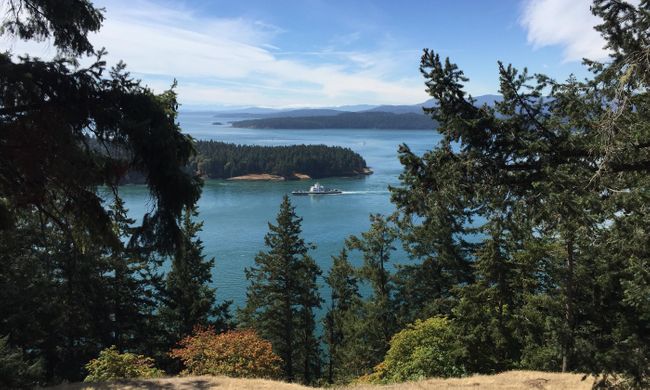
{"x": 235, "y": 214}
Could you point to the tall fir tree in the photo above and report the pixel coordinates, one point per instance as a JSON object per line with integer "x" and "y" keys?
{"x": 188, "y": 298}
{"x": 66, "y": 276}
{"x": 370, "y": 324}
{"x": 132, "y": 296}
{"x": 434, "y": 226}
{"x": 283, "y": 294}
{"x": 344, "y": 294}
{"x": 569, "y": 160}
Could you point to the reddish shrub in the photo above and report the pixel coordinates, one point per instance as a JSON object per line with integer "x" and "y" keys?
{"x": 238, "y": 353}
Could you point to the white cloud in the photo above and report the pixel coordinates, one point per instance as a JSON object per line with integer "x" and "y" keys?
{"x": 567, "y": 23}
{"x": 237, "y": 62}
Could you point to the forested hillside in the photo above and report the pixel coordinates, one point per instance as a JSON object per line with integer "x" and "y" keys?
{"x": 348, "y": 120}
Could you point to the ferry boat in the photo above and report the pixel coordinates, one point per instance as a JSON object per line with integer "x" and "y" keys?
{"x": 317, "y": 189}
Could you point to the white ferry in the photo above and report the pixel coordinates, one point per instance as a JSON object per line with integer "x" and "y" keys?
{"x": 317, "y": 189}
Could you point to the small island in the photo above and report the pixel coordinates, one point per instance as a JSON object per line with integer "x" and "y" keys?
{"x": 220, "y": 160}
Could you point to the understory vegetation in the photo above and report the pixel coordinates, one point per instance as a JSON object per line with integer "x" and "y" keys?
{"x": 525, "y": 231}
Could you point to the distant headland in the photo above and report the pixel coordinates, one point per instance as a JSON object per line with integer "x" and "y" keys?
{"x": 346, "y": 120}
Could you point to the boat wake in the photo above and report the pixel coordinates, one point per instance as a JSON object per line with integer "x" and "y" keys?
{"x": 364, "y": 192}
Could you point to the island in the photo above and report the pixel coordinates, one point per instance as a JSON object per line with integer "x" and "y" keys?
{"x": 220, "y": 160}
{"x": 346, "y": 120}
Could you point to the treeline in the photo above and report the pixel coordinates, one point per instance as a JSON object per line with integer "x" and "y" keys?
{"x": 348, "y": 120}
{"x": 218, "y": 160}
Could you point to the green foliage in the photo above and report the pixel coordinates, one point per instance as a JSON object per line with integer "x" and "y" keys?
{"x": 41, "y": 19}
{"x": 344, "y": 287}
{"x": 50, "y": 108}
{"x": 112, "y": 365}
{"x": 423, "y": 349}
{"x": 70, "y": 285}
{"x": 219, "y": 160}
{"x": 550, "y": 185}
{"x": 282, "y": 295}
{"x": 17, "y": 372}
{"x": 367, "y": 325}
{"x": 238, "y": 354}
{"x": 188, "y": 300}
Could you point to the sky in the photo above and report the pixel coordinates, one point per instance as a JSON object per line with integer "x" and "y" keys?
{"x": 318, "y": 53}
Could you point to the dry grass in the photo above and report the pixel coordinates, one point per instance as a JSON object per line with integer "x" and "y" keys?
{"x": 511, "y": 380}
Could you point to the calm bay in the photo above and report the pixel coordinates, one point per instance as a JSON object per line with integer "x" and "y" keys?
{"x": 236, "y": 213}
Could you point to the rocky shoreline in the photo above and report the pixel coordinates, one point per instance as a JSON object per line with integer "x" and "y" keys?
{"x": 295, "y": 176}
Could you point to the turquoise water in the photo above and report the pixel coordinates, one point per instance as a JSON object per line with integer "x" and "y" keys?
{"x": 235, "y": 214}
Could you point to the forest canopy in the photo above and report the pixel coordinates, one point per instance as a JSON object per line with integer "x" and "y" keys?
{"x": 218, "y": 160}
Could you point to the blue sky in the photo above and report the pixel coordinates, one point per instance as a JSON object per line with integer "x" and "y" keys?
{"x": 315, "y": 53}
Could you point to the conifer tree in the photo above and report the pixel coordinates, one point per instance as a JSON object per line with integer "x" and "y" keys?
{"x": 433, "y": 224}
{"x": 570, "y": 161}
{"x": 283, "y": 294}
{"x": 370, "y": 324}
{"x": 188, "y": 298}
{"x": 344, "y": 294}
{"x": 132, "y": 291}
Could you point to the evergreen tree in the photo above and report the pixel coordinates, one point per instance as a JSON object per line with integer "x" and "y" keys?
{"x": 16, "y": 372}
{"x": 188, "y": 298}
{"x": 132, "y": 291}
{"x": 433, "y": 220}
{"x": 490, "y": 309}
{"x": 282, "y": 295}
{"x": 567, "y": 163}
{"x": 370, "y": 324}
{"x": 344, "y": 294}
{"x": 69, "y": 287}
{"x": 49, "y": 109}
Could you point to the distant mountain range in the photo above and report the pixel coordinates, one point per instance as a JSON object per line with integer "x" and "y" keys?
{"x": 358, "y": 116}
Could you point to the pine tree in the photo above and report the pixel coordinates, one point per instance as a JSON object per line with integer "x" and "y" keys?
{"x": 282, "y": 295}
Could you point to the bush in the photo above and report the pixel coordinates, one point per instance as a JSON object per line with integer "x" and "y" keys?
{"x": 16, "y": 372}
{"x": 112, "y": 365}
{"x": 424, "y": 349}
{"x": 238, "y": 353}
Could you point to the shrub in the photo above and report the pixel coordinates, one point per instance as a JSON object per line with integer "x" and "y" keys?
{"x": 112, "y": 365}
{"x": 238, "y": 353}
{"x": 423, "y": 349}
{"x": 17, "y": 372}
